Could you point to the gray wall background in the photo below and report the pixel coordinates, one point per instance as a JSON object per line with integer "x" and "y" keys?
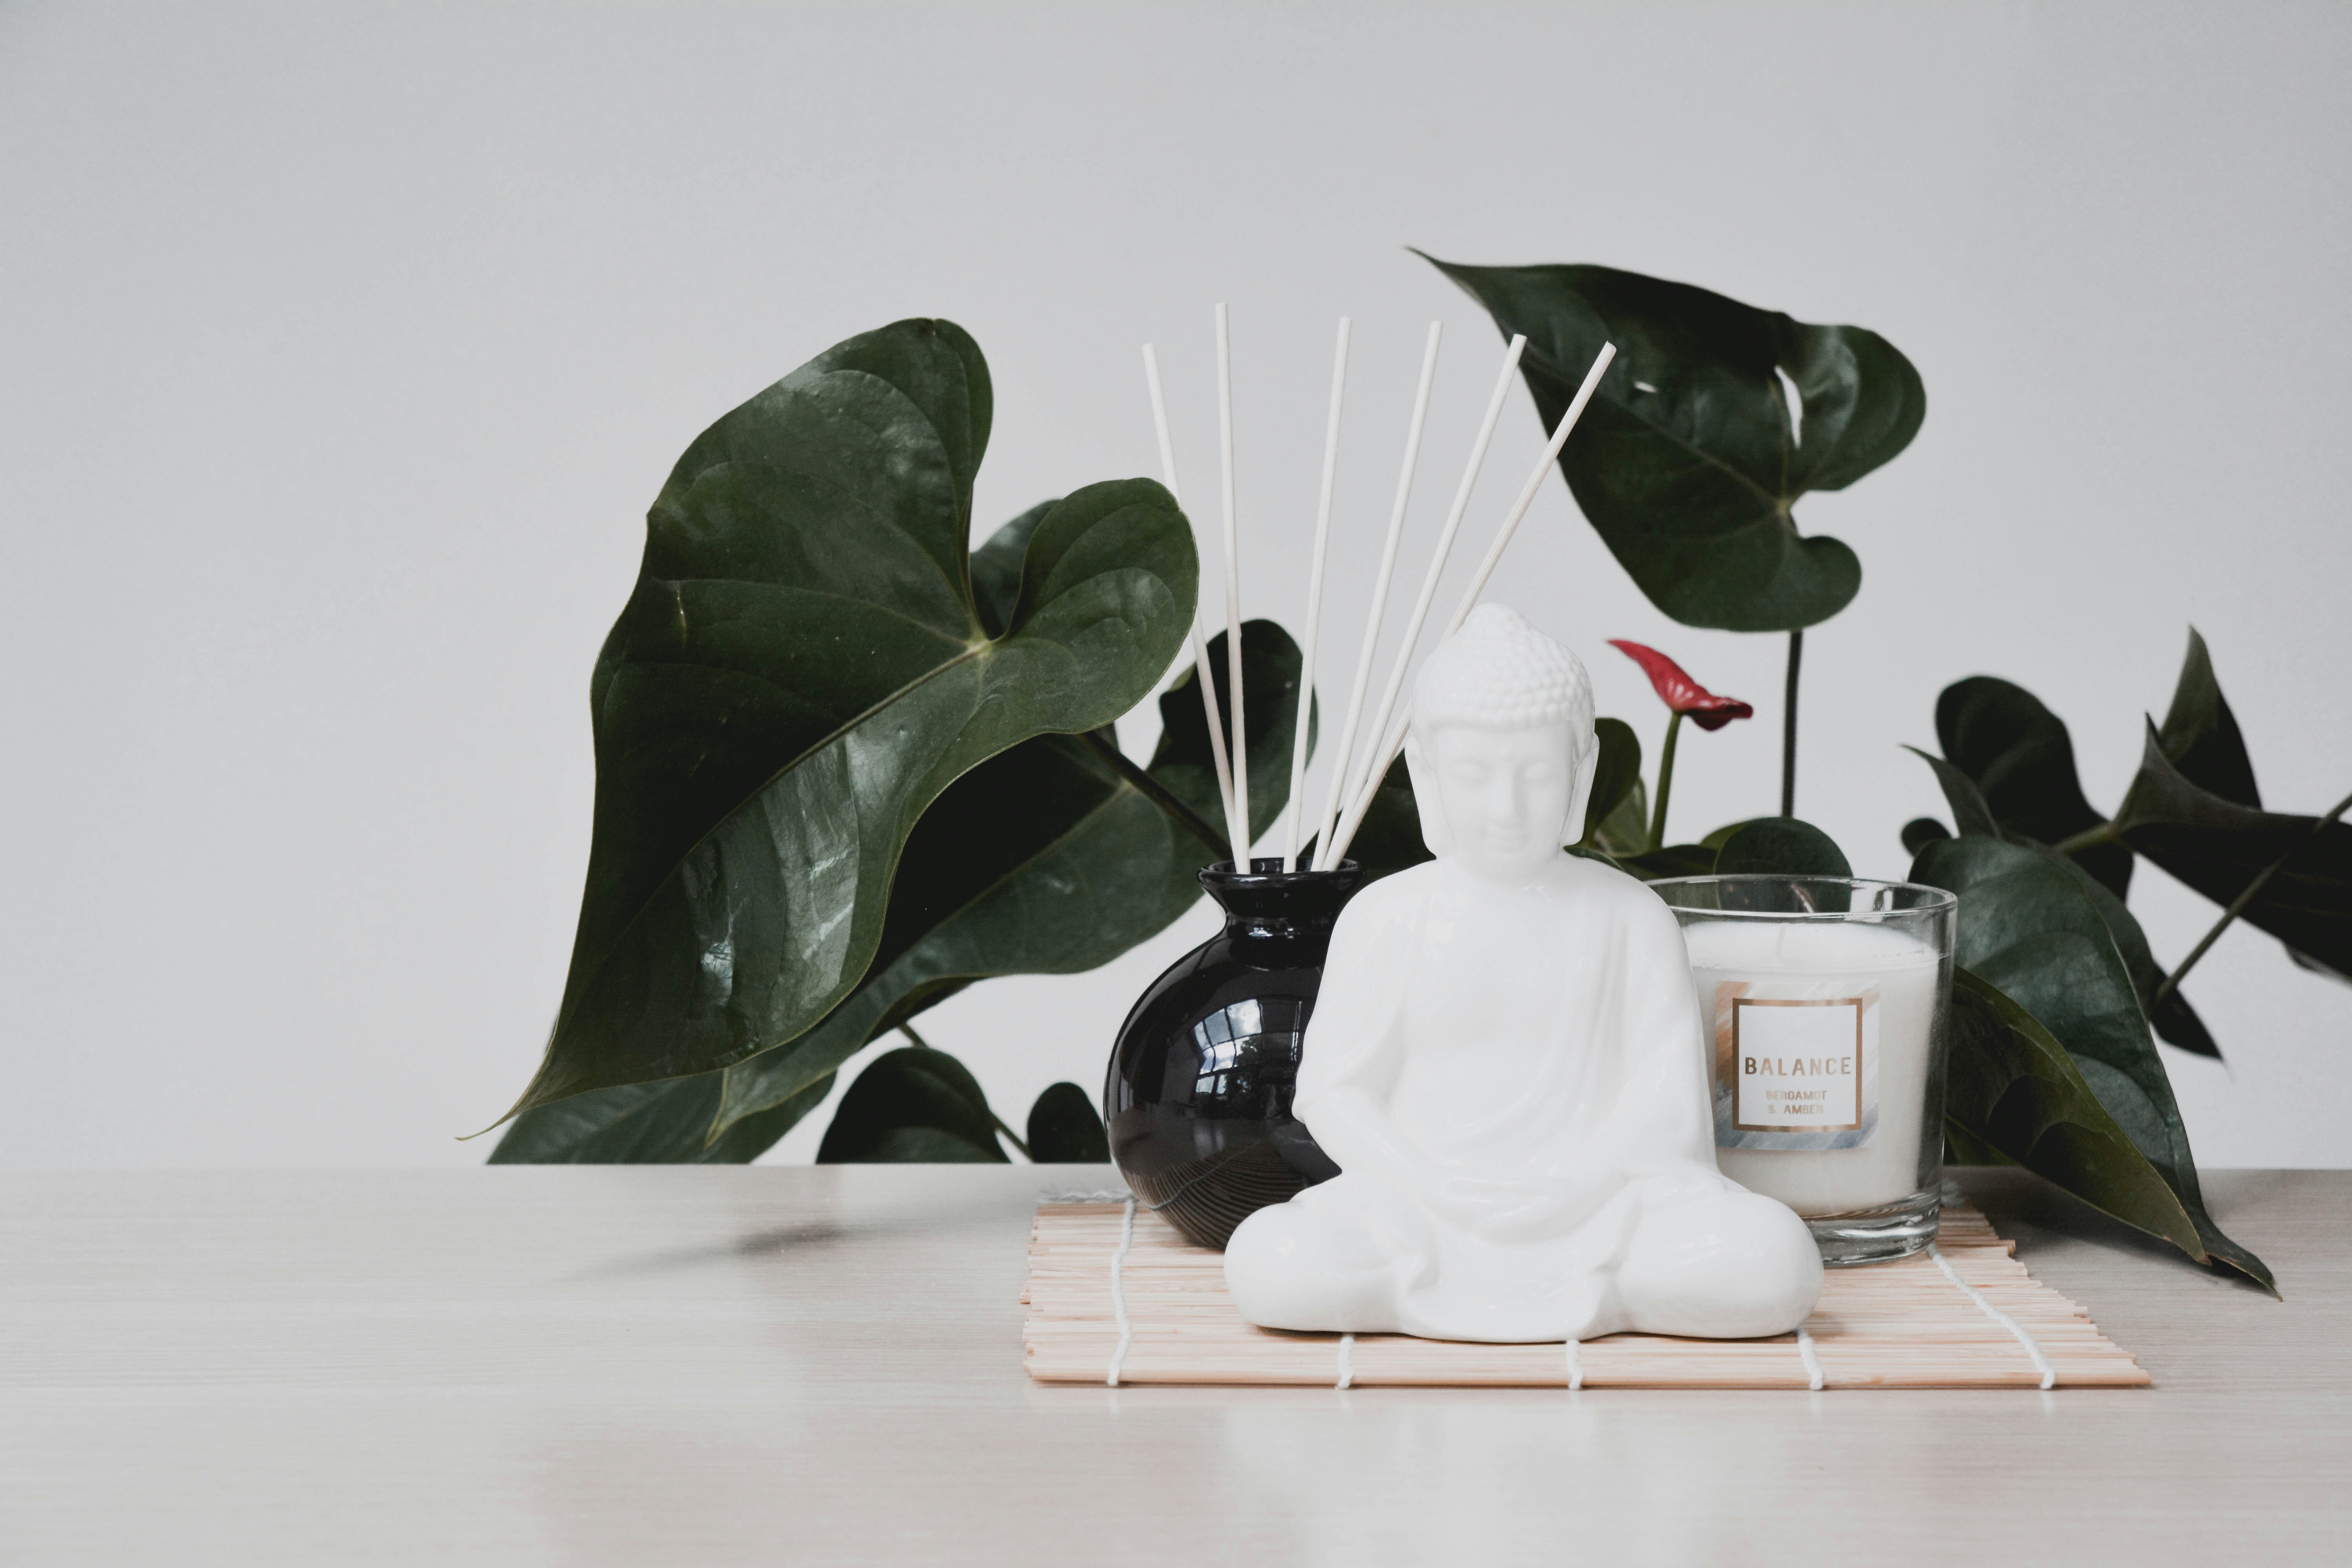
{"x": 341, "y": 349}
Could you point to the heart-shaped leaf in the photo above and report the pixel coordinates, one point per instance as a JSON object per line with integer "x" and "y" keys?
{"x": 912, "y": 1106}
{"x": 1047, "y": 860}
{"x": 2219, "y": 847}
{"x": 1064, "y": 1129}
{"x": 2013, "y": 1090}
{"x": 2022, "y": 759}
{"x": 2028, "y": 928}
{"x": 802, "y": 670}
{"x": 1689, "y": 461}
{"x": 1043, "y": 859}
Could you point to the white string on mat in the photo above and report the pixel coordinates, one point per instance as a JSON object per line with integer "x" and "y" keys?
{"x": 1339, "y": 793}
{"x": 1298, "y": 811}
{"x": 1812, "y": 1362}
{"x": 1118, "y": 1292}
{"x": 1575, "y": 1366}
{"x": 1201, "y": 669}
{"x": 2041, "y": 1362}
{"x": 1346, "y": 1361}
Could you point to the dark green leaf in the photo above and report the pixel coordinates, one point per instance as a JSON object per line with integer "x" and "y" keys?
{"x": 1922, "y": 831}
{"x": 2028, "y": 928}
{"x": 911, "y": 1105}
{"x": 1616, "y": 773}
{"x": 801, "y": 672}
{"x": 2174, "y": 1019}
{"x": 1722, "y": 835}
{"x": 665, "y": 1123}
{"x": 2200, "y": 734}
{"x": 1045, "y": 861}
{"x": 1625, "y": 831}
{"x": 1971, "y": 813}
{"x": 1064, "y": 1129}
{"x": 2019, "y": 756}
{"x": 2013, "y": 1090}
{"x": 2218, "y": 847}
{"x": 1687, "y": 460}
{"x": 1784, "y": 846}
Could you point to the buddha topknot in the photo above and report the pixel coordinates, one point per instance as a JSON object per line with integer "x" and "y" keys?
{"x": 1500, "y": 673}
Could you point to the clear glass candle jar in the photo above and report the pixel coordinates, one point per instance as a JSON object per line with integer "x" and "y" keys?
{"x": 1824, "y": 1002}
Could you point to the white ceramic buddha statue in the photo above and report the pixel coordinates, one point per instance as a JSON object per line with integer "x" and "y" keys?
{"x": 1506, "y": 1062}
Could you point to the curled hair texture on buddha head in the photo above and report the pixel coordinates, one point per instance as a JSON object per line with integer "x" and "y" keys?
{"x": 1499, "y": 673}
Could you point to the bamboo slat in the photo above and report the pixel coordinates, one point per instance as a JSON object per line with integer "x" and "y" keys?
{"x": 1890, "y": 1325}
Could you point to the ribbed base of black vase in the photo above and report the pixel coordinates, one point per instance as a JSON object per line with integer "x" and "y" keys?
{"x": 1206, "y": 1199}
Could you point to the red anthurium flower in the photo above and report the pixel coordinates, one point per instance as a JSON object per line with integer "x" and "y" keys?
{"x": 1679, "y": 692}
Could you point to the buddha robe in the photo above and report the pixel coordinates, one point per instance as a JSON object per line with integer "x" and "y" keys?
{"x": 1513, "y": 1085}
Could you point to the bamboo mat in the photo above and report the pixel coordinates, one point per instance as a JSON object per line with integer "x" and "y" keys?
{"x": 1966, "y": 1316}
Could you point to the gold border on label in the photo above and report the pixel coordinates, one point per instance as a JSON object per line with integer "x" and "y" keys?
{"x": 1857, "y": 1003}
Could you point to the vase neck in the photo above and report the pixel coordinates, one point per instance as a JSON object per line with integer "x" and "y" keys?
{"x": 1271, "y": 904}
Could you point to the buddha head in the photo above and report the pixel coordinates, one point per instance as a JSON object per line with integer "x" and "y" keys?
{"x": 1502, "y": 746}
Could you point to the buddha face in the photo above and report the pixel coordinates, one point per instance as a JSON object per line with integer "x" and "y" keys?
{"x": 1504, "y": 794}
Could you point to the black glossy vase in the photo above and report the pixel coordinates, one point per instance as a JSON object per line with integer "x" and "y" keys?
{"x": 1198, "y": 1095}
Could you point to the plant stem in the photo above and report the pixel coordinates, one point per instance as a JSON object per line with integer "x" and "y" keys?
{"x": 2089, "y": 838}
{"x": 1158, "y": 793}
{"x": 1010, "y": 1136}
{"x": 1666, "y": 783}
{"x": 1789, "y": 727}
{"x": 2238, "y": 905}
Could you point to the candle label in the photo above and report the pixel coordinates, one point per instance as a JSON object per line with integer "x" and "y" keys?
{"x": 1795, "y": 1072}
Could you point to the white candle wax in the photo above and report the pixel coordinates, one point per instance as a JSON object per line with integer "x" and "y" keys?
{"x": 1832, "y": 1019}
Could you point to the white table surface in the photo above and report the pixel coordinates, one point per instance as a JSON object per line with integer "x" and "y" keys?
{"x": 793, "y": 1364}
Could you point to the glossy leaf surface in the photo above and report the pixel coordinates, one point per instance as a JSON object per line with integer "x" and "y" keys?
{"x": 911, "y": 1106}
{"x": 2028, "y": 928}
{"x": 2012, "y": 1089}
{"x": 1045, "y": 861}
{"x": 802, "y": 670}
{"x": 1042, "y": 860}
{"x": 1689, "y": 458}
{"x": 2175, "y": 1020}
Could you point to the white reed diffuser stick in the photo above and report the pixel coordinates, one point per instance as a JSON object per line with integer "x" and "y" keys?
{"x": 1240, "y": 747}
{"x": 1370, "y": 781}
{"x": 1526, "y": 499}
{"x": 1315, "y": 602}
{"x": 1342, "y": 755}
{"x": 1200, "y": 667}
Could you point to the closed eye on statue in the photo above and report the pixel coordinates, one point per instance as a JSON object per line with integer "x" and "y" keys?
{"x": 1470, "y": 773}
